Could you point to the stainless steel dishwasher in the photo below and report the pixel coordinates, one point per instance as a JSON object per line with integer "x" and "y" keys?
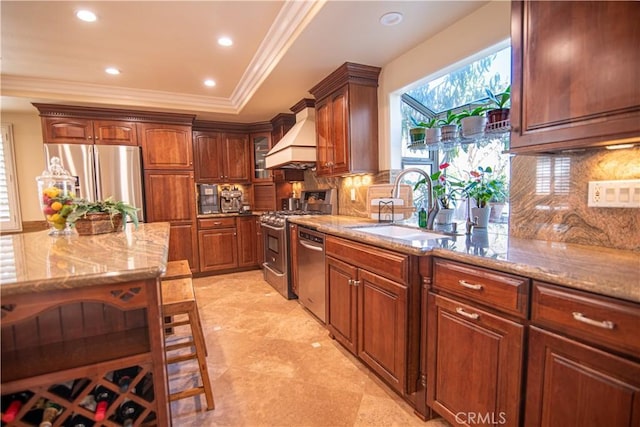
{"x": 311, "y": 285}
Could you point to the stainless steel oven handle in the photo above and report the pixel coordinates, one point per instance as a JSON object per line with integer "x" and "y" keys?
{"x": 273, "y": 228}
{"x": 265, "y": 265}
{"x": 313, "y": 248}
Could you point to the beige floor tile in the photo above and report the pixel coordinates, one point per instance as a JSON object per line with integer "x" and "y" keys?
{"x": 273, "y": 364}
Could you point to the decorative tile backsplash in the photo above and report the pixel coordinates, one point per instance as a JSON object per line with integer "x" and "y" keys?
{"x": 548, "y": 198}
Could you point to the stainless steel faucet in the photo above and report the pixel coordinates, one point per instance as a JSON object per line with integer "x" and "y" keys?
{"x": 432, "y": 206}
{"x": 470, "y": 224}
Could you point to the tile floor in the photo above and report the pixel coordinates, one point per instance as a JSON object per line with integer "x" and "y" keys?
{"x": 272, "y": 364}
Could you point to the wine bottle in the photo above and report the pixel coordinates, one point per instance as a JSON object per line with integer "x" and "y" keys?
{"x": 62, "y": 389}
{"x": 16, "y": 401}
{"x": 103, "y": 398}
{"x": 51, "y": 412}
{"x": 128, "y": 412}
{"x": 79, "y": 421}
{"x": 123, "y": 377}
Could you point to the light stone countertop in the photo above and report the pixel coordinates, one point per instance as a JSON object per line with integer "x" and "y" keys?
{"x": 37, "y": 262}
{"x": 604, "y": 271}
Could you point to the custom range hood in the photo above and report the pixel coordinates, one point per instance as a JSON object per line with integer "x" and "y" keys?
{"x": 297, "y": 148}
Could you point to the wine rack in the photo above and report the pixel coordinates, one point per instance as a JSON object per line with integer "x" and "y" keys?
{"x": 80, "y": 401}
{"x": 84, "y": 337}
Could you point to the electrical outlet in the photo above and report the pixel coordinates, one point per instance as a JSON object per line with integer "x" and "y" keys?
{"x": 624, "y": 193}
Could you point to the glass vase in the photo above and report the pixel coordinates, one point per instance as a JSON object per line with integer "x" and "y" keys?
{"x": 56, "y": 190}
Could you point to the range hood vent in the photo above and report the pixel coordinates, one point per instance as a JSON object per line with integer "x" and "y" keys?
{"x": 297, "y": 148}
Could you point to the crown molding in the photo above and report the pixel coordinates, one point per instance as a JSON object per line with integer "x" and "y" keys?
{"x": 293, "y": 17}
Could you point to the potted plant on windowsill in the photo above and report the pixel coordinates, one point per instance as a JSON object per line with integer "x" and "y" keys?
{"x": 102, "y": 216}
{"x": 449, "y": 126}
{"x": 445, "y": 190}
{"x": 473, "y": 121}
{"x": 500, "y": 113}
{"x": 481, "y": 188}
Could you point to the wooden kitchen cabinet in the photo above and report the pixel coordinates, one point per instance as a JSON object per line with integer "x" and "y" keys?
{"x": 86, "y": 131}
{"x": 247, "y": 227}
{"x": 583, "y": 359}
{"x": 166, "y": 146}
{"x": 170, "y": 196}
{"x": 573, "y": 384}
{"x": 347, "y": 121}
{"x": 582, "y": 59}
{"x": 475, "y": 343}
{"x": 221, "y": 157}
{"x": 369, "y": 306}
{"x": 217, "y": 243}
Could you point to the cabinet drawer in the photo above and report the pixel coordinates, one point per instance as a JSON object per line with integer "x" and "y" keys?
{"x": 597, "y": 319}
{"x": 498, "y": 290}
{"x": 388, "y": 264}
{"x": 216, "y": 223}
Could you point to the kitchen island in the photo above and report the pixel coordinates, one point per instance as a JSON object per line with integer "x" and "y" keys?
{"x": 77, "y": 313}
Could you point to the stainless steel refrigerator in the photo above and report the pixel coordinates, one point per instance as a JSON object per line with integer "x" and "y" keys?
{"x": 103, "y": 171}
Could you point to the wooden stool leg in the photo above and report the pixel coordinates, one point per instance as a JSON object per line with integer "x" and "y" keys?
{"x": 204, "y": 342}
{"x": 198, "y": 339}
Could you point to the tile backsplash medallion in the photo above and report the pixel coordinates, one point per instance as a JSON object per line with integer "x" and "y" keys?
{"x": 548, "y": 198}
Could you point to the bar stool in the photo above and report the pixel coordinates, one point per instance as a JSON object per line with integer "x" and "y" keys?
{"x": 176, "y": 270}
{"x": 179, "y": 299}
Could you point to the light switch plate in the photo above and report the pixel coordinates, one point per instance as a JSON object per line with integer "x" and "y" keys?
{"x": 624, "y": 193}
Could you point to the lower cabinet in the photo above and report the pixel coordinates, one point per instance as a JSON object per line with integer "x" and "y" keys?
{"x": 183, "y": 244}
{"x": 475, "y": 344}
{"x": 573, "y": 384}
{"x": 293, "y": 256}
{"x": 474, "y": 366}
{"x": 227, "y": 243}
{"x": 369, "y": 313}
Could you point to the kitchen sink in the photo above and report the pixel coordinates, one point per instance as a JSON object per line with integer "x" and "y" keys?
{"x": 399, "y": 232}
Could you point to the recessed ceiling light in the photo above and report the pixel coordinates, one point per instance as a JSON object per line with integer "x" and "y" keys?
{"x": 225, "y": 41}
{"x": 391, "y": 18}
{"x": 209, "y": 83}
{"x": 112, "y": 70}
{"x": 86, "y": 15}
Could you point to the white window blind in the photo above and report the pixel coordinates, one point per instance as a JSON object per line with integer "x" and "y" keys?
{"x": 10, "y": 219}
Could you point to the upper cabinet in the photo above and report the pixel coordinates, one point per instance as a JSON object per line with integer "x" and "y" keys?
{"x": 166, "y": 146}
{"x": 85, "y": 131}
{"x": 260, "y": 145}
{"x": 575, "y": 74}
{"x": 347, "y": 121}
{"x": 221, "y": 156}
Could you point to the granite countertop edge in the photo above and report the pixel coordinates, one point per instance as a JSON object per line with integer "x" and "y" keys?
{"x": 580, "y": 268}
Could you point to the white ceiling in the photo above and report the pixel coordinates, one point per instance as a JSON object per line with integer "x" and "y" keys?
{"x": 166, "y": 49}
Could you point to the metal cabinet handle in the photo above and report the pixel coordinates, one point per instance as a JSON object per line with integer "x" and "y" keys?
{"x": 352, "y": 282}
{"x": 473, "y": 316}
{"x": 604, "y": 324}
{"x": 470, "y": 285}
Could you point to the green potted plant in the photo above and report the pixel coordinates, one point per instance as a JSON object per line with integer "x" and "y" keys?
{"x": 473, "y": 122}
{"x": 102, "y": 216}
{"x": 481, "y": 188}
{"x": 501, "y": 102}
{"x": 445, "y": 190}
{"x": 449, "y": 126}
{"x": 417, "y": 132}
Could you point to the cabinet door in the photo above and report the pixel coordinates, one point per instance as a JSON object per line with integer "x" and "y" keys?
{"x": 247, "y": 248}
{"x": 323, "y": 136}
{"x": 572, "y": 384}
{"x": 260, "y": 144}
{"x": 342, "y": 297}
{"x": 237, "y": 157}
{"x": 209, "y": 156}
{"x": 474, "y": 365}
{"x": 264, "y": 197}
{"x": 218, "y": 249}
{"x": 339, "y": 142}
{"x": 259, "y": 243}
{"x": 183, "y": 244}
{"x": 582, "y": 59}
{"x": 166, "y": 146}
{"x": 170, "y": 196}
{"x": 112, "y": 132}
{"x": 67, "y": 131}
{"x": 382, "y": 327}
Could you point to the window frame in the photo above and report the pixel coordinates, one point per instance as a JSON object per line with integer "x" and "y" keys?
{"x": 14, "y": 224}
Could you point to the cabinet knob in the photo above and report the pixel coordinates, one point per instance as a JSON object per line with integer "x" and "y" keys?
{"x": 515, "y": 128}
